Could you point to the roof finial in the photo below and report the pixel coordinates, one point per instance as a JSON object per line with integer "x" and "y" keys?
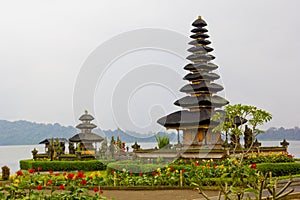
{"x": 86, "y": 112}
{"x": 199, "y": 17}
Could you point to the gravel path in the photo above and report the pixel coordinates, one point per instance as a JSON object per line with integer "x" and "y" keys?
{"x": 155, "y": 194}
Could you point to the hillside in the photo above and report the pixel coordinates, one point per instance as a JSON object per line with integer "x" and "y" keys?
{"x": 280, "y": 134}
{"x": 26, "y": 133}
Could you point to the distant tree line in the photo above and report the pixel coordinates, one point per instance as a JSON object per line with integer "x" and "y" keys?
{"x": 281, "y": 133}
{"x": 26, "y": 133}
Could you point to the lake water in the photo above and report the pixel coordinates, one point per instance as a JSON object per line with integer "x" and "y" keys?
{"x": 11, "y": 155}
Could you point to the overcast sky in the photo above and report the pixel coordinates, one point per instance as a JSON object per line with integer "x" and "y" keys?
{"x": 44, "y": 44}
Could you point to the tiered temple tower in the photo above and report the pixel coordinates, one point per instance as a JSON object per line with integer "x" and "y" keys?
{"x": 201, "y": 101}
{"x": 86, "y": 126}
{"x": 86, "y": 138}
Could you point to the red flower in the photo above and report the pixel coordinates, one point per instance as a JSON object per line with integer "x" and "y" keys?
{"x": 183, "y": 170}
{"x": 61, "y": 187}
{"x": 290, "y": 156}
{"x": 130, "y": 172}
{"x": 154, "y": 173}
{"x": 117, "y": 166}
{"x": 196, "y": 163}
{"x": 171, "y": 168}
{"x": 64, "y": 173}
{"x": 83, "y": 182}
{"x": 57, "y": 174}
{"x": 112, "y": 172}
{"x": 101, "y": 191}
{"x": 96, "y": 175}
{"x": 49, "y": 182}
{"x": 141, "y": 174}
{"x": 91, "y": 177}
{"x": 20, "y": 173}
{"x": 253, "y": 166}
{"x": 80, "y": 175}
{"x": 50, "y": 171}
{"x": 96, "y": 189}
{"x": 39, "y": 187}
{"x": 70, "y": 176}
{"x": 31, "y": 171}
{"x": 207, "y": 165}
{"x": 39, "y": 169}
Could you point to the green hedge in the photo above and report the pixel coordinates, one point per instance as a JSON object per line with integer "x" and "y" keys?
{"x": 88, "y": 165}
{"x": 280, "y": 169}
{"x": 134, "y": 167}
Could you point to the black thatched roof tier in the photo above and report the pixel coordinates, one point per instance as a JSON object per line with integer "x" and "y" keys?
{"x": 48, "y": 140}
{"x": 199, "y": 22}
{"x": 201, "y": 76}
{"x": 202, "y": 100}
{"x": 200, "y": 57}
{"x": 86, "y": 117}
{"x": 199, "y": 30}
{"x": 86, "y": 126}
{"x": 199, "y": 35}
{"x": 200, "y": 104}
{"x": 86, "y": 137}
{"x": 204, "y": 86}
{"x": 199, "y": 42}
{"x": 200, "y": 66}
{"x": 185, "y": 119}
{"x": 200, "y": 49}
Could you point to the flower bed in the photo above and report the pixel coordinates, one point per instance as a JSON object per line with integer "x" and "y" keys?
{"x": 35, "y": 183}
{"x": 269, "y": 158}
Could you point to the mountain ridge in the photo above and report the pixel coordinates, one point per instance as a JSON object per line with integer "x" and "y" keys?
{"x": 24, "y": 132}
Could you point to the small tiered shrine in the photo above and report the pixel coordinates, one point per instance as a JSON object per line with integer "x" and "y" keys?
{"x": 202, "y": 100}
{"x": 86, "y": 138}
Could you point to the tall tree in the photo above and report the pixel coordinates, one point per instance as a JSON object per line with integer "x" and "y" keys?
{"x": 239, "y": 118}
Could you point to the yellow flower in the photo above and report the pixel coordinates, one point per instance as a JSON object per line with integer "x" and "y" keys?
{"x": 158, "y": 170}
{"x": 16, "y": 182}
{"x": 176, "y": 171}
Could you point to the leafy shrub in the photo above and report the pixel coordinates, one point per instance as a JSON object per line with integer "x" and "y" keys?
{"x": 89, "y": 165}
{"x": 133, "y": 167}
{"x": 268, "y": 158}
{"x": 279, "y": 169}
{"x": 162, "y": 141}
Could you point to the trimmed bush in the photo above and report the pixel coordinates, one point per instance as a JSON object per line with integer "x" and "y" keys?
{"x": 280, "y": 169}
{"x": 133, "y": 167}
{"x": 88, "y": 165}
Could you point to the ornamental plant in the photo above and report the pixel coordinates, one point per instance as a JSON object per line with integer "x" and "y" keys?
{"x": 240, "y": 119}
{"x": 32, "y": 184}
